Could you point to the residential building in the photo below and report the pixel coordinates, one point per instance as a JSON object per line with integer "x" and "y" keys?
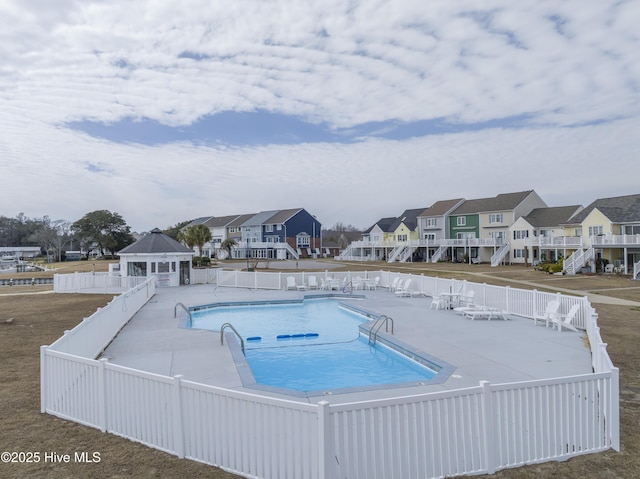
{"x": 273, "y": 234}
{"x": 607, "y": 232}
{"x": 480, "y": 227}
{"x": 539, "y": 235}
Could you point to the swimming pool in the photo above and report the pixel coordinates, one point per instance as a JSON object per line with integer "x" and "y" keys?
{"x": 315, "y": 346}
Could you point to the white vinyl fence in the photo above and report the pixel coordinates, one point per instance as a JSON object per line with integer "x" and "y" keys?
{"x": 94, "y": 283}
{"x": 469, "y": 431}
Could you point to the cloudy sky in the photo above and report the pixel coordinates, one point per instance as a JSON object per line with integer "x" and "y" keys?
{"x": 165, "y": 111}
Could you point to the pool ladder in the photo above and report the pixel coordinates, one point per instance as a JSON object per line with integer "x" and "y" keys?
{"x": 175, "y": 311}
{"x": 230, "y": 326}
{"x": 373, "y": 332}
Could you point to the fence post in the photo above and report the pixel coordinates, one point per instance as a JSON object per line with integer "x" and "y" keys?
{"x": 507, "y": 293}
{"x": 102, "y": 390}
{"x": 43, "y": 379}
{"x": 324, "y": 439}
{"x": 489, "y": 432}
{"x": 614, "y": 429}
{"x": 178, "y": 431}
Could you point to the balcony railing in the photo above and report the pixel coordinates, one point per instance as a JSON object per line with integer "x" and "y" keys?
{"x": 556, "y": 241}
{"x": 615, "y": 240}
{"x": 435, "y": 243}
{"x": 582, "y": 242}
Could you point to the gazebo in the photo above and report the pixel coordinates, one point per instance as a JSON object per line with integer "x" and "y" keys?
{"x": 158, "y": 255}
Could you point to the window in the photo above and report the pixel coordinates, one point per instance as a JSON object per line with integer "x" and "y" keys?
{"x": 279, "y": 227}
{"x": 461, "y": 221}
{"x": 495, "y": 218}
{"x": 303, "y": 241}
{"x": 518, "y": 253}
{"x": 430, "y": 236}
{"x": 467, "y": 235}
{"x": 137, "y": 268}
{"x": 520, "y": 234}
{"x": 402, "y": 238}
{"x": 268, "y": 228}
{"x": 595, "y": 230}
{"x": 232, "y": 229}
{"x": 498, "y": 236}
{"x": 431, "y": 222}
{"x": 163, "y": 267}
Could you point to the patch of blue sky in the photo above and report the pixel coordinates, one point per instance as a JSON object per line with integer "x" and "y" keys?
{"x": 261, "y": 128}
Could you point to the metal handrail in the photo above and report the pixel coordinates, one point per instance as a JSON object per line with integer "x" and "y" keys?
{"x": 382, "y": 319}
{"x": 229, "y": 325}
{"x": 175, "y": 311}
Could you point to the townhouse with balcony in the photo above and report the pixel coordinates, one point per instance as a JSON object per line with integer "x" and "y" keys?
{"x": 274, "y": 234}
{"x": 433, "y": 224}
{"x": 389, "y": 239}
{"x": 479, "y": 229}
{"x": 540, "y": 236}
{"x": 375, "y": 244}
{"x": 449, "y": 230}
{"x": 606, "y": 233}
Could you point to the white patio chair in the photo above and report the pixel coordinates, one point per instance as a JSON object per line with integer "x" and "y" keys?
{"x": 567, "y": 321}
{"x": 437, "y": 302}
{"x": 313, "y": 282}
{"x": 467, "y": 299}
{"x": 405, "y": 289}
{"x": 394, "y": 284}
{"x": 291, "y": 283}
{"x": 550, "y": 313}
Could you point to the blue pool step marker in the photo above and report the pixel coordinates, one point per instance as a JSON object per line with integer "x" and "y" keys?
{"x": 297, "y": 336}
{"x": 254, "y": 338}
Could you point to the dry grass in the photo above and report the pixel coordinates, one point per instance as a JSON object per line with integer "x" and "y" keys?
{"x": 41, "y": 318}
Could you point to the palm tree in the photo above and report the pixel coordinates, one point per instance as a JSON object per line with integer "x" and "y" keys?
{"x": 196, "y": 235}
{"x": 227, "y": 245}
{"x": 201, "y": 234}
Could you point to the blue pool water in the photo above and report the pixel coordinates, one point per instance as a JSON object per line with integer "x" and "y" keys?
{"x": 311, "y": 346}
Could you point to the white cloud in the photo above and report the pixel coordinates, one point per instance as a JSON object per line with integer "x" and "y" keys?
{"x": 337, "y": 62}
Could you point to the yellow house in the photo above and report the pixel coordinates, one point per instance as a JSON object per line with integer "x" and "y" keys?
{"x": 610, "y": 229}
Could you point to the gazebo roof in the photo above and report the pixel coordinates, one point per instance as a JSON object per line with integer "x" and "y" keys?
{"x": 156, "y": 242}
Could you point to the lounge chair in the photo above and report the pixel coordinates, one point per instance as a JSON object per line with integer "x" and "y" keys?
{"x": 313, "y": 282}
{"x": 568, "y": 319}
{"x": 483, "y": 312}
{"x": 550, "y": 313}
{"x": 394, "y": 284}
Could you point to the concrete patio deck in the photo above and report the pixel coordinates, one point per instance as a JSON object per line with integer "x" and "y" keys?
{"x": 498, "y": 351}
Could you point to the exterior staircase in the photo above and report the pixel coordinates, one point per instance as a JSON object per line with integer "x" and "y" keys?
{"x": 346, "y": 253}
{"x": 406, "y": 253}
{"x": 499, "y": 255}
{"x": 578, "y": 259}
{"x": 438, "y": 254}
{"x": 395, "y": 253}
